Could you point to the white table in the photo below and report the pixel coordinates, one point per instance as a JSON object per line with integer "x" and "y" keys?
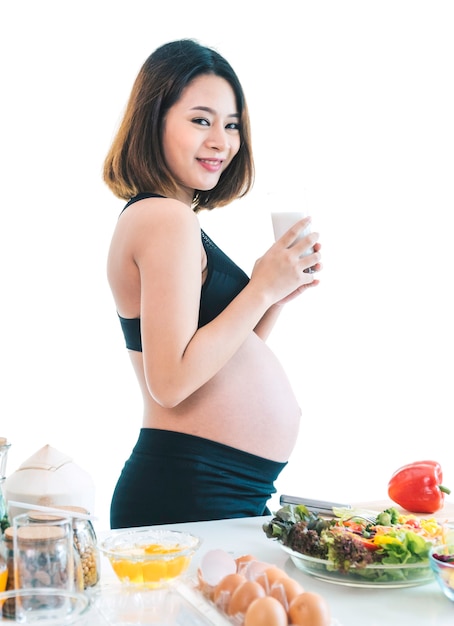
{"x": 423, "y": 605}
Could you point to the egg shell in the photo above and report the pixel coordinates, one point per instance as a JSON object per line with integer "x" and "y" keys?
{"x": 242, "y": 560}
{"x": 204, "y": 587}
{"x": 215, "y": 565}
{"x": 309, "y": 609}
{"x": 253, "y": 569}
{"x": 266, "y": 611}
{"x": 243, "y": 596}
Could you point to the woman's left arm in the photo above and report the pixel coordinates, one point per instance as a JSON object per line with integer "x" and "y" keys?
{"x": 266, "y": 324}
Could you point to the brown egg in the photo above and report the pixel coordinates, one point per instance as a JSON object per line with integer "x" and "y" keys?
{"x": 243, "y": 596}
{"x": 269, "y": 576}
{"x": 285, "y": 589}
{"x": 266, "y": 612}
{"x": 309, "y": 609}
{"x": 227, "y": 586}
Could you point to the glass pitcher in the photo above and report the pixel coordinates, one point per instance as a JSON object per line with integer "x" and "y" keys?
{"x": 4, "y": 521}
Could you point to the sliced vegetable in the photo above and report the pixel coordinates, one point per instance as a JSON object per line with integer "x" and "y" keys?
{"x": 417, "y": 487}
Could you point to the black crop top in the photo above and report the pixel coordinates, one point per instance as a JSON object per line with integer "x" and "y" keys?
{"x": 223, "y": 283}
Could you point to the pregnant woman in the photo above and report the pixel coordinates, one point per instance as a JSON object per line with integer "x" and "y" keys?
{"x": 220, "y": 419}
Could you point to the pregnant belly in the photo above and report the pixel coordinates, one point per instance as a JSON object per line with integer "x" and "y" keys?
{"x": 249, "y": 405}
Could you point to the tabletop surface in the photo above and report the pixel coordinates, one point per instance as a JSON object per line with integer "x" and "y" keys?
{"x": 423, "y": 605}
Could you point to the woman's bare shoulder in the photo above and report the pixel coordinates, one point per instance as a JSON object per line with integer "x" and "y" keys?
{"x": 158, "y": 227}
{"x": 155, "y": 208}
{"x": 155, "y": 218}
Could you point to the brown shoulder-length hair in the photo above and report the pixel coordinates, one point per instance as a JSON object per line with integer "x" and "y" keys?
{"x": 135, "y": 162}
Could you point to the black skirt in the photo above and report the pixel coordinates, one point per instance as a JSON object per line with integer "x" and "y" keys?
{"x": 172, "y": 477}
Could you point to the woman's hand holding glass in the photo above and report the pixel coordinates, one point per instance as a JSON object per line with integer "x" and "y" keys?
{"x": 282, "y": 272}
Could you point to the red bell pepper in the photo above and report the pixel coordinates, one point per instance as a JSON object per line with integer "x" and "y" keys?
{"x": 417, "y": 487}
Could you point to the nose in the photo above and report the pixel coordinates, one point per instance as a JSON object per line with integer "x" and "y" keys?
{"x": 218, "y": 138}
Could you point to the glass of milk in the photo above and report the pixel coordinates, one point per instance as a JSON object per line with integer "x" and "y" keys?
{"x": 284, "y": 220}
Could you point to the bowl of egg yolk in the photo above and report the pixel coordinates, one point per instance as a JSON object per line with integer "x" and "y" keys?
{"x": 149, "y": 557}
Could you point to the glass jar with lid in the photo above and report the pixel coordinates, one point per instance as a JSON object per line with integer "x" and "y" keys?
{"x": 85, "y": 542}
{"x": 44, "y": 554}
{"x": 43, "y": 520}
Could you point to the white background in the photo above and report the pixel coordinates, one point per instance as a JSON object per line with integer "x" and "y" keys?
{"x": 352, "y": 117}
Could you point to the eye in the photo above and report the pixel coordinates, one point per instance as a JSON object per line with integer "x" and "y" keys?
{"x": 233, "y": 126}
{"x": 201, "y": 121}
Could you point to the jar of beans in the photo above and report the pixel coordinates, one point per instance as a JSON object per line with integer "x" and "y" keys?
{"x": 86, "y": 544}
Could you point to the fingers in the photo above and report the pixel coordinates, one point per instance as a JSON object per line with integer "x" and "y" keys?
{"x": 306, "y": 245}
{"x": 292, "y": 262}
{"x": 311, "y": 262}
{"x": 299, "y": 230}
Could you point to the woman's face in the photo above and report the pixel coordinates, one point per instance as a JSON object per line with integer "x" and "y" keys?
{"x": 201, "y": 134}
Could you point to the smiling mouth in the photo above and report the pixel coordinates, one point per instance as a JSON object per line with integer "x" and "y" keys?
{"x": 211, "y": 161}
{"x": 211, "y": 165}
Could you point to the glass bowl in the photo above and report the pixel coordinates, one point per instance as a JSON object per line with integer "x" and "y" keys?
{"x": 443, "y": 568}
{"x": 149, "y": 556}
{"x": 46, "y": 606}
{"x": 372, "y": 576}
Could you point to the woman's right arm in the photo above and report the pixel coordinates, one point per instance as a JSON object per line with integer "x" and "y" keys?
{"x": 178, "y": 356}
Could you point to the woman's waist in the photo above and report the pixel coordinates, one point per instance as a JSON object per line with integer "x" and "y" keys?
{"x": 246, "y": 422}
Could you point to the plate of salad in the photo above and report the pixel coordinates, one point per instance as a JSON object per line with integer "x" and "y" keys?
{"x": 359, "y": 548}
